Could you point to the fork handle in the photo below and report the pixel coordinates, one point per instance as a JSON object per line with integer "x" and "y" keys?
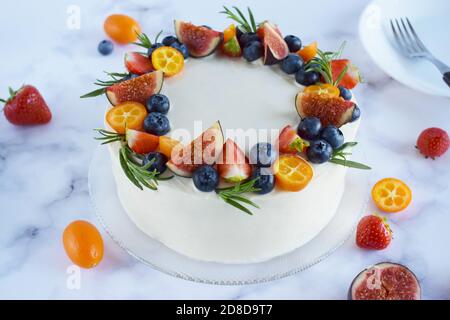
{"x": 447, "y": 78}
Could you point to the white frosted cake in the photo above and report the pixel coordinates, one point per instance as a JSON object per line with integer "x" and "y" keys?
{"x": 240, "y": 95}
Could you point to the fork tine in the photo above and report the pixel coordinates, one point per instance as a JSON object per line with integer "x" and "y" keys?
{"x": 402, "y": 36}
{"x": 412, "y": 44}
{"x": 397, "y": 37}
{"x": 419, "y": 42}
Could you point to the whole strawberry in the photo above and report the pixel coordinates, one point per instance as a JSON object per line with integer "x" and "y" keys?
{"x": 26, "y": 107}
{"x": 433, "y": 142}
{"x": 373, "y": 232}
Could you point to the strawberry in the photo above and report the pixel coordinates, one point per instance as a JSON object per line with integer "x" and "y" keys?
{"x": 232, "y": 165}
{"x": 141, "y": 142}
{"x": 373, "y": 232}
{"x": 433, "y": 142}
{"x": 137, "y": 63}
{"x": 351, "y": 77}
{"x": 26, "y": 106}
{"x": 290, "y": 142}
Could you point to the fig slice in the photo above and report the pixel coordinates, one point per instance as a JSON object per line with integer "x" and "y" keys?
{"x": 329, "y": 109}
{"x": 205, "y": 149}
{"x": 201, "y": 41}
{"x": 138, "y": 89}
{"x": 275, "y": 48}
{"x": 385, "y": 281}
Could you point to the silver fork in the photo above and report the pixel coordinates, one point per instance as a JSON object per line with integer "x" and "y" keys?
{"x": 411, "y": 46}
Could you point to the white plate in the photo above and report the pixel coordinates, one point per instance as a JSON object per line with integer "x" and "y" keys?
{"x": 431, "y": 19}
{"x": 107, "y": 206}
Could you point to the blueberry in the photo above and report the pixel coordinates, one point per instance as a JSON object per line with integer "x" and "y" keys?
{"x": 206, "y": 178}
{"x": 265, "y": 182}
{"x": 156, "y": 123}
{"x": 182, "y": 48}
{"x": 333, "y": 136}
{"x": 153, "y": 48}
{"x": 356, "y": 113}
{"x": 309, "y": 128}
{"x": 345, "y": 93}
{"x": 319, "y": 151}
{"x": 307, "y": 78}
{"x": 239, "y": 33}
{"x": 158, "y": 103}
{"x": 292, "y": 63}
{"x": 294, "y": 43}
{"x": 159, "y": 161}
{"x": 263, "y": 154}
{"x": 167, "y": 41}
{"x": 105, "y": 47}
{"x": 248, "y": 37}
{"x": 253, "y": 51}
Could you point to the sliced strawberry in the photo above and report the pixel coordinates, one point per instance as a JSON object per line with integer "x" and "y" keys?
{"x": 26, "y": 106}
{"x": 137, "y": 63}
{"x": 141, "y": 142}
{"x": 233, "y": 165}
{"x": 290, "y": 142}
{"x": 351, "y": 77}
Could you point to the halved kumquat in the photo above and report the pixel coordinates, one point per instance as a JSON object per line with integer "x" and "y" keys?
{"x": 391, "y": 195}
{"x": 167, "y": 145}
{"x": 308, "y": 52}
{"x": 129, "y": 115}
{"x": 323, "y": 89}
{"x": 168, "y": 60}
{"x": 292, "y": 173}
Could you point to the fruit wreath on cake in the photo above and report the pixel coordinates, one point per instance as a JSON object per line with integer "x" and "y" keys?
{"x": 138, "y": 119}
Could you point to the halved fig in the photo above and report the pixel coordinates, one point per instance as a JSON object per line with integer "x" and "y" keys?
{"x": 275, "y": 48}
{"x": 205, "y": 149}
{"x": 385, "y": 281}
{"x": 137, "y": 89}
{"x": 200, "y": 40}
{"x": 329, "y": 109}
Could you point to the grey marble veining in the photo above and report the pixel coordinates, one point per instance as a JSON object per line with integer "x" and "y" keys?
{"x": 43, "y": 170}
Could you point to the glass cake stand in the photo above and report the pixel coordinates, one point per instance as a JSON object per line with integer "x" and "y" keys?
{"x": 128, "y": 236}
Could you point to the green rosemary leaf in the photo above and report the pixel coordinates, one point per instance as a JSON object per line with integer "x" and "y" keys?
{"x": 350, "y": 164}
{"x": 243, "y": 199}
{"x": 165, "y": 178}
{"x": 252, "y": 20}
{"x": 345, "y": 146}
{"x": 94, "y": 93}
{"x": 157, "y": 36}
{"x": 238, "y": 205}
{"x": 126, "y": 169}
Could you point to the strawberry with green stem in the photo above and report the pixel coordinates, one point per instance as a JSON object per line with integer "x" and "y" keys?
{"x": 26, "y": 106}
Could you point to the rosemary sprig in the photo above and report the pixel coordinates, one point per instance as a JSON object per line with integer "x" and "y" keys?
{"x": 115, "y": 77}
{"x": 109, "y": 136}
{"x": 139, "y": 175}
{"x": 340, "y": 157}
{"x": 240, "y": 18}
{"x": 145, "y": 42}
{"x": 322, "y": 65}
{"x": 234, "y": 195}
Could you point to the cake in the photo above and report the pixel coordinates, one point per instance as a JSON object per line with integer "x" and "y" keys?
{"x": 245, "y": 98}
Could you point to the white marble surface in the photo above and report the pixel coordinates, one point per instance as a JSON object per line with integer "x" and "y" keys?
{"x": 43, "y": 170}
